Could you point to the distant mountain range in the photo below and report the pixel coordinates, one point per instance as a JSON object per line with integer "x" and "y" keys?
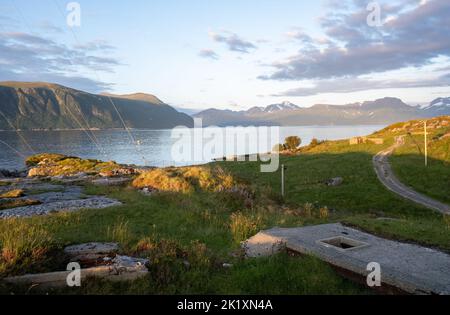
{"x": 35, "y": 106}
{"x": 382, "y": 111}
{"x": 46, "y": 106}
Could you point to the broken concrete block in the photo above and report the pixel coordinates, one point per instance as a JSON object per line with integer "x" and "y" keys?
{"x": 91, "y": 251}
{"x": 129, "y": 262}
{"x": 59, "y": 279}
{"x": 333, "y": 182}
{"x": 263, "y": 245}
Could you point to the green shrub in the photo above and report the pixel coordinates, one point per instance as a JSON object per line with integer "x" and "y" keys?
{"x": 187, "y": 179}
{"x": 292, "y": 143}
{"x": 315, "y": 142}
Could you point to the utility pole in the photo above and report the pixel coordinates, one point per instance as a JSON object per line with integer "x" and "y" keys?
{"x": 283, "y": 169}
{"x": 426, "y": 144}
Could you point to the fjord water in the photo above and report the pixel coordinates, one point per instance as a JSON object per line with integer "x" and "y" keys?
{"x": 151, "y": 147}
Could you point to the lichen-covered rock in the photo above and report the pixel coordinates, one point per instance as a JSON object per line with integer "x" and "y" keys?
{"x": 37, "y": 159}
{"x": 53, "y": 165}
{"x": 38, "y": 172}
{"x": 12, "y": 194}
{"x": 125, "y": 171}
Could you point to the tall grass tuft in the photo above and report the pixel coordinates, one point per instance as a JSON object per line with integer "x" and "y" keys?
{"x": 22, "y": 245}
{"x": 120, "y": 233}
{"x": 324, "y": 213}
{"x": 447, "y": 221}
{"x": 244, "y": 226}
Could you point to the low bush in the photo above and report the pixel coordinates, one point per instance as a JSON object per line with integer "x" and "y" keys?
{"x": 187, "y": 180}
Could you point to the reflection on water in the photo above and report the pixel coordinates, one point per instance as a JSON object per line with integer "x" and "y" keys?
{"x": 151, "y": 147}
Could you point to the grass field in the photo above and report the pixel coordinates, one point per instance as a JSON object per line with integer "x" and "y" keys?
{"x": 189, "y": 236}
{"x": 361, "y": 201}
{"x": 433, "y": 180}
{"x": 172, "y": 230}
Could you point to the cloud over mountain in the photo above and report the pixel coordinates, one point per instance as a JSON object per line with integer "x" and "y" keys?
{"x": 29, "y": 57}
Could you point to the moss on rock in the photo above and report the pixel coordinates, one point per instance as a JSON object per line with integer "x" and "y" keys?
{"x": 61, "y": 165}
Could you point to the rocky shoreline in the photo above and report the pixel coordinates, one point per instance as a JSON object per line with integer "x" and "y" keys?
{"x": 48, "y": 198}
{"x": 53, "y": 183}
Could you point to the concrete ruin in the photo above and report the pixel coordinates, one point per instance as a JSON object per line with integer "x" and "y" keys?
{"x": 364, "y": 140}
{"x": 100, "y": 261}
{"x": 409, "y": 268}
{"x": 91, "y": 251}
{"x": 120, "y": 270}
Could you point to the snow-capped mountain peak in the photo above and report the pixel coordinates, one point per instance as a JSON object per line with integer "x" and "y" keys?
{"x": 439, "y": 104}
{"x": 280, "y": 107}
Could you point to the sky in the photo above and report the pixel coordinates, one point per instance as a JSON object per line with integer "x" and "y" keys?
{"x": 232, "y": 54}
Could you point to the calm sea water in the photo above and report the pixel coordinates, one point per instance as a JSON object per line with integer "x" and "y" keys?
{"x": 151, "y": 147}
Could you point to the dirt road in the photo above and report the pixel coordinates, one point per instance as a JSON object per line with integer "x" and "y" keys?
{"x": 387, "y": 177}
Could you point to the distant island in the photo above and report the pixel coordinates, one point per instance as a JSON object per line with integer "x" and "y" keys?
{"x": 46, "y": 106}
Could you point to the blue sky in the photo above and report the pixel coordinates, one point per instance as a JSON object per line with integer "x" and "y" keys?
{"x": 233, "y": 53}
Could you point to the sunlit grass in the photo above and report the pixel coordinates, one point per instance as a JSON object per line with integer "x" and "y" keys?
{"x": 22, "y": 245}
{"x": 194, "y": 224}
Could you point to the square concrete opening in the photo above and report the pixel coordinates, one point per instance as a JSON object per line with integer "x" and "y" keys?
{"x": 343, "y": 243}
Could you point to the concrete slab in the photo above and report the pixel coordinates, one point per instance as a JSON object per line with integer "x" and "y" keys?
{"x": 410, "y": 268}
